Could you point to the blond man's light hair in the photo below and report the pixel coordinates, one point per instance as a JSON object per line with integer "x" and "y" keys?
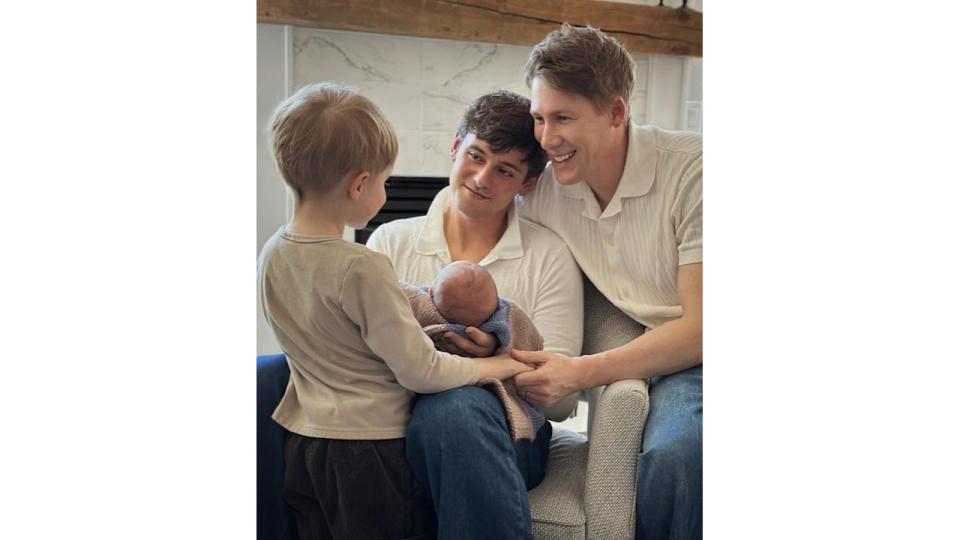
{"x": 583, "y": 61}
{"x": 325, "y": 132}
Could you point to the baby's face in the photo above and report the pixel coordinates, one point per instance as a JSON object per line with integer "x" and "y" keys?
{"x": 465, "y": 293}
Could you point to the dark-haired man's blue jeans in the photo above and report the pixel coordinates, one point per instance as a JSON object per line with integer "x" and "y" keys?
{"x": 459, "y": 445}
{"x": 670, "y": 466}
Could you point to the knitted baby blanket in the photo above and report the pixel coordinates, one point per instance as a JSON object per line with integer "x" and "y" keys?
{"x": 513, "y": 329}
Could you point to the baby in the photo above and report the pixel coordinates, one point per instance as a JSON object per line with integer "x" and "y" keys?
{"x": 465, "y": 293}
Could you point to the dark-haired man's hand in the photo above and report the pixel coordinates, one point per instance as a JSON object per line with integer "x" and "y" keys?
{"x": 478, "y": 344}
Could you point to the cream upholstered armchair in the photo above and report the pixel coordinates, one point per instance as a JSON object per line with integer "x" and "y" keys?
{"x": 589, "y": 489}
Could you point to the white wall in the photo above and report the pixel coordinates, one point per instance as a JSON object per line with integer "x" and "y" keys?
{"x": 272, "y": 86}
{"x": 423, "y": 85}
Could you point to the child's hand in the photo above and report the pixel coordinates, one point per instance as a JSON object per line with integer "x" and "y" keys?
{"x": 478, "y": 344}
{"x": 500, "y": 367}
{"x": 555, "y": 377}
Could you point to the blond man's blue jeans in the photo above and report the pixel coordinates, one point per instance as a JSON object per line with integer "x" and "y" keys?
{"x": 670, "y": 465}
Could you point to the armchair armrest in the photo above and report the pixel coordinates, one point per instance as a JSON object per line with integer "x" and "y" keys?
{"x": 619, "y": 416}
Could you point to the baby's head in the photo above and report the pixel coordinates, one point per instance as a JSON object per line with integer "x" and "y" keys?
{"x": 464, "y": 293}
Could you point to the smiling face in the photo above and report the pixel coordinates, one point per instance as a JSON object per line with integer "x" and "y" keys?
{"x": 576, "y": 137}
{"x": 484, "y": 182}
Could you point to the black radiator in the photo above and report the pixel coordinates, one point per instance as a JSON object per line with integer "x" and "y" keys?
{"x": 407, "y": 196}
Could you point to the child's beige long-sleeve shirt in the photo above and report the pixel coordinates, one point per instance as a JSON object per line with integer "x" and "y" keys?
{"x": 354, "y": 347}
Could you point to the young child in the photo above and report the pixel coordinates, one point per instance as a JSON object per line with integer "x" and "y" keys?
{"x": 465, "y": 293}
{"x": 355, "y": 351}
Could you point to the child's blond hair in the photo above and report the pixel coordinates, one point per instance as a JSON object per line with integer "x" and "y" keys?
{"x": 326, "y": 131}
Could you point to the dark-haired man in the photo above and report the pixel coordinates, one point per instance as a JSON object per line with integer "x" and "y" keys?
{"x": 626, "y": 199}
{"x": 458, "y": 442}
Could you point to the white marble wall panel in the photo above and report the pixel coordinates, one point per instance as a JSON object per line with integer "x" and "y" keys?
{"x": 385, "y": 68}
{"x": 409, "y": 156}
{"x": 456, "y": 72}
{"x": 422, "y": 85}
{"x": 436, "y": 152}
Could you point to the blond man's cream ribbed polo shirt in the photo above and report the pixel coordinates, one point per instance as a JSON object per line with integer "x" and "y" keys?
{"x": 653, "y": 224}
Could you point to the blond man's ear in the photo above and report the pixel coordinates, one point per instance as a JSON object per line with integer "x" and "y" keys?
{"x": 618, "y": 112}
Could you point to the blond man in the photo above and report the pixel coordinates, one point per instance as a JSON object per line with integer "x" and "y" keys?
{"x": 356, "y": 354}
{"x": 626, "y": 199}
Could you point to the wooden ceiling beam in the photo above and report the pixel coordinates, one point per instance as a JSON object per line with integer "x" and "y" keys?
{"x": 641, "y": 29}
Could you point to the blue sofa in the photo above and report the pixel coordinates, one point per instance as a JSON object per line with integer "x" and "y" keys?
{"x": 274, "y": 518}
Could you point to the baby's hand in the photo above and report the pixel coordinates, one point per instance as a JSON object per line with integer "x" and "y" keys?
{"x": 478, "y": 344}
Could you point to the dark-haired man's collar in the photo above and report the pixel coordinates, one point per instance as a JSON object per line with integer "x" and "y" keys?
{"x": 431, "y": 240}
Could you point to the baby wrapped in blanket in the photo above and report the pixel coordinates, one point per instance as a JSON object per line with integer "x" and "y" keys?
{"x": 465, "y": 294}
